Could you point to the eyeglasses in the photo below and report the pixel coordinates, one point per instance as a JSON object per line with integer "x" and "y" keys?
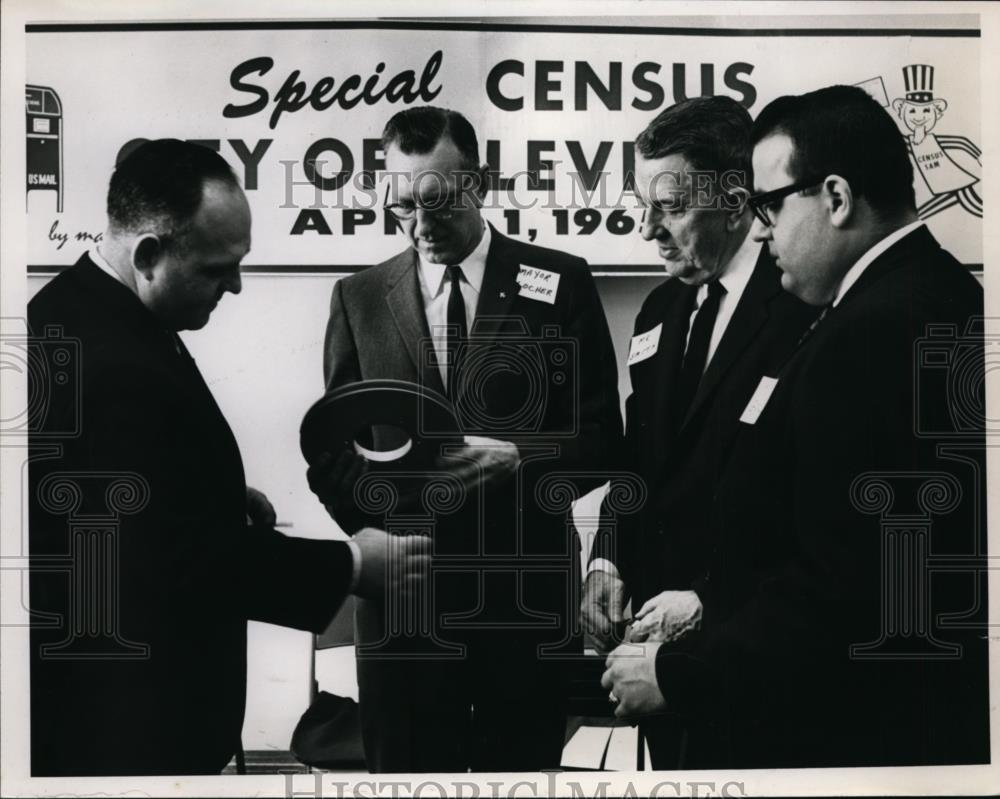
{"x": 442, "y": 208}
{"x": 762, "y": 204}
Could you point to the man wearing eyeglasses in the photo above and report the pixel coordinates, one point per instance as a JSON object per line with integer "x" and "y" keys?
{"x": 711, "y": 331}
{"x": 478, "y": 301}
{"x": 832, "y": 634}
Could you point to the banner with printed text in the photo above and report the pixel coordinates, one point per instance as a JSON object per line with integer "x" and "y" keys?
{"x": 298, "y": 109}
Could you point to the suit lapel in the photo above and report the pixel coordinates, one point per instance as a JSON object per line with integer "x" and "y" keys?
{"x": 407, "y": 308}
{"x": 667, "y": 364}
{"x": 749, "y": 317}
{"x": 499, "y": 287}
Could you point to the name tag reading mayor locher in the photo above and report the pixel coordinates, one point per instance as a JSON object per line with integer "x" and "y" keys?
{"x": 538, "y": 284}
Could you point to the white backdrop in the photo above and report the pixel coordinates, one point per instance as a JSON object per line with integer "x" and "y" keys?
{"x": 548, "y": 104}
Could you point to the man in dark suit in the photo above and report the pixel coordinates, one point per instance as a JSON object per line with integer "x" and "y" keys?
{"x": 843, "y": 625}
{"x": 515, "y": 336}
{"x": 703, "y": 339}
{"x": 144, "y": 566}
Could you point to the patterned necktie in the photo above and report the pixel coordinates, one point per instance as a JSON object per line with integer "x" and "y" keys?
{"x": 457, "y": 326}
{"x": 696, "y": 356}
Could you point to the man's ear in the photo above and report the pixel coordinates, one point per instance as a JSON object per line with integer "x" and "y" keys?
{"x": 897, "y": 106}
{"x": 839, "y": 200}
{"x": 940, "y": 106}
{"x": 734, "y": 204}
{"x": 482, "y": 181}
{"x": 147, "y": 252}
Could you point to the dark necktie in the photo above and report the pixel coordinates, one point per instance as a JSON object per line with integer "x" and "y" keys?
{"x": 696, "y": 355}
{"x": 178, "y": 346}
{"x": 815, "y": 323}
{"x": 457, "y": 327}
{"x": 804, "y": 338}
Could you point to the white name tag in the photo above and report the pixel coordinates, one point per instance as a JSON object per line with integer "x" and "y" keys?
{"x": 538, "y": 284}
{"x": 644, "y": 345}
{"x": 759, "y": 400}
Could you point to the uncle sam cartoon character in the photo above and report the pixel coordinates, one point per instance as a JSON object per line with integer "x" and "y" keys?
{"x": 949, "y": 166}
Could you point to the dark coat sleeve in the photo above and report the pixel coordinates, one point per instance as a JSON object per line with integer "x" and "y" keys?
{"x": 850, "y": 413}
{"x": 340, "y": 353}
{"x": 189, "y": 547}
{"x": 617, "y": 532}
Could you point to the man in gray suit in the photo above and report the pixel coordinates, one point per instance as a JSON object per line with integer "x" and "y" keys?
{"x": 515, "y": 337}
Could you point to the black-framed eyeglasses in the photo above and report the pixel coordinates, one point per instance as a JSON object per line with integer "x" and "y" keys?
{"x": 762, "y": 204}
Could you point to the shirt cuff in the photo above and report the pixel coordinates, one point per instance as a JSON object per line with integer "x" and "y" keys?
{"x": 603, "y": 565}
{"x": 355, "y": 565}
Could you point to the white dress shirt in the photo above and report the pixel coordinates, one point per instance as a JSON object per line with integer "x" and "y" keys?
{"x": 435, "y": 288}
{"x": 865, "y": 260}
{"x": 734, "y": 279}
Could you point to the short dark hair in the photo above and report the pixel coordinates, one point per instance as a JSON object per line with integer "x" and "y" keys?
{"x": 711, "y": 133}
{"x": 160, "y": 182}
{"x": 418, "y": 131}
{"x": 842, "y": 130}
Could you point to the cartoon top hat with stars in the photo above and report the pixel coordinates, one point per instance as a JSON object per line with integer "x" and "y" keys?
{"x": 919, "y": 79}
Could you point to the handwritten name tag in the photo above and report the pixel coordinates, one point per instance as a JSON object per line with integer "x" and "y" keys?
{"x": 759, "y": 400}
{"x": 538, "y": 284}
{"x": 644, "y": 345}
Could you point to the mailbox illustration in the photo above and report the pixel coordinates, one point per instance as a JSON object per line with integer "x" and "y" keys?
{"x": 45, "y": 155}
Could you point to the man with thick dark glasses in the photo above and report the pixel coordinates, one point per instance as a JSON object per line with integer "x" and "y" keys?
{"x": 829, "y": 636}
{"x": 765, "y": 203}
{"x": 703, "y": 340}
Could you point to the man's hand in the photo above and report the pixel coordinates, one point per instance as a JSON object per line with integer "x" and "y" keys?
{"x": 397, "y": 564}
{"x": 630, "y": 677}
{"x": 260, "y": 511}
{"x": 667, "y": 617}
{"x": 601, "y": 608}
{"x": 482, "y": 460}
{"x": 332, "y": 479}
